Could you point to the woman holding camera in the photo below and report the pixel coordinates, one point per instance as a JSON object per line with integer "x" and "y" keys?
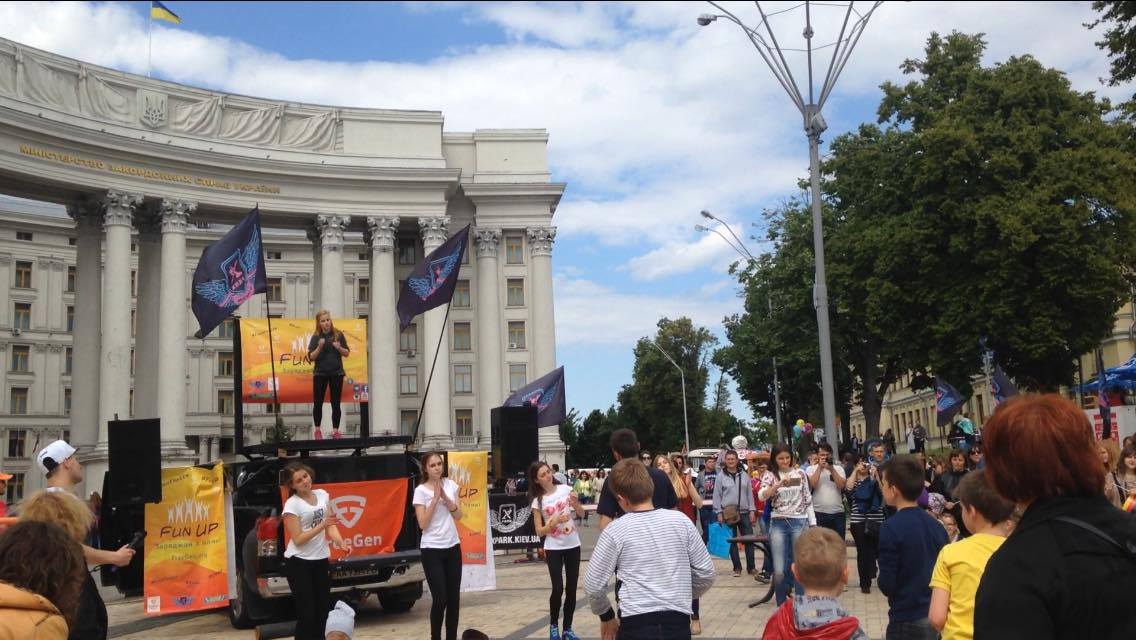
{"x": 865, "y": 517}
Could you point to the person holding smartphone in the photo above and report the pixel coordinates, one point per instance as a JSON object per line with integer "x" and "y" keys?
{"x": 827, "y": 481}
{"x": 310, "y": 524}
{"x": 327, "y": 349}
{"x": 787, "y": 488}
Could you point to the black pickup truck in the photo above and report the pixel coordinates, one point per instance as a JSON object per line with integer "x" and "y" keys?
{"x": 258, "y": 543}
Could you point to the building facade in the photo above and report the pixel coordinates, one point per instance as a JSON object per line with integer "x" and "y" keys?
{"x": 122, "y": 181}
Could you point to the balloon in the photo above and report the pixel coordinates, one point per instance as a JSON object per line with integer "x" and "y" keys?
{"x": 797, "y": 431}
{"x": 800, "y": 422}
{"x": 808, "y": 428}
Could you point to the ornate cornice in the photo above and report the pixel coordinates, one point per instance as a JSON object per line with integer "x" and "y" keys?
{"x": 175, "y": 215}
{"x": 331, "y": 228}
{"x": 487, "y": 242}
{"x": 434, "y": 230}
{"x": 540, "y": 240}
{"x": 120, "y": 208}
{"x": 382, "y": 232}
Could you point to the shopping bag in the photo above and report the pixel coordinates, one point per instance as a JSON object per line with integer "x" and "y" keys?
{"x": 719, "y": 540}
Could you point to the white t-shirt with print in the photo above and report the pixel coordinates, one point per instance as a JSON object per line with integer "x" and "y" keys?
{"x": 441, "y": 532}
{"x": 310, "y": 516}
{"x": 565, "y": 535}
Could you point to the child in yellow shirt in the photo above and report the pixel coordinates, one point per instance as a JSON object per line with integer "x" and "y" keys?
{"x": 958, "y": 570}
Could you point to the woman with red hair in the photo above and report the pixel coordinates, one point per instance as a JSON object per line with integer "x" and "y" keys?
{"x": 1069, "y": 568}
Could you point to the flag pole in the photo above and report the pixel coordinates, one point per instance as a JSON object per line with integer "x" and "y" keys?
{"x": 426, "y": 392}
{"x": 150, "y": 46}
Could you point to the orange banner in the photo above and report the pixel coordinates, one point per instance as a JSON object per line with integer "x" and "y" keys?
{"x": 369, "y": 514}
{"x": 185, "y": 567}
{"x": 469, "y": 470}
{"x": 289, "y": 355}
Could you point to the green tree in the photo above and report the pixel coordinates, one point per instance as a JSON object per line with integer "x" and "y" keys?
{"x": 652, "y": 404}
{"x": 570, "y": 429}
{"x": 718, "y": 424}
{"x": 1119, "y": 37}
{"x": 591, "y": 447}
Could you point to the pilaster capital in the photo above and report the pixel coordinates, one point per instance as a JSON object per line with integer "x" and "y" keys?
{"x": 120, "y": 208}
{"x": 382, "y": 231}
{"x": 57, "y": 264}
{"x": 331, "y": 228}
{"x": 174, "y": 215}
{"x": 39, "y": 347}
{"x": 55, "y": 348}
{"x": 3, "y": 347}
{"x": 304, "y": 278}
{"x": 313, "y": 235}
{"x": 540, "y": 240}
{"x": 434, "y": 230}
{"x": 487, "y": 241}
{"x": 5, "y": 258}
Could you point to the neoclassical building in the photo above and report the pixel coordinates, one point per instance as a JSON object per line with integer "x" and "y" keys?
{"x": 122, "y": 180}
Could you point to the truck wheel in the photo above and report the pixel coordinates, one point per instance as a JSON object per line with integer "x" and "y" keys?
{"x": 244, "y": 608}
{"x": 401, "y": 599}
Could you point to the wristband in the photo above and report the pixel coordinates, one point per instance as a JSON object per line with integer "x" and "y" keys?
{"x": 607, "y": 615}
{"x": 454, "y": 509}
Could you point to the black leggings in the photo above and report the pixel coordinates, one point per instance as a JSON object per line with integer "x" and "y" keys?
{"x": 443, "y": 569}
{"x": 867, "y": 551}
{"x": 320, "y": 384}
{"x": 569, "y": 561}
{"x": 311, "y": 591}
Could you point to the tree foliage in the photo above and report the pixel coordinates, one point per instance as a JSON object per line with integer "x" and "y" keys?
{"x": 1119, "y": 37}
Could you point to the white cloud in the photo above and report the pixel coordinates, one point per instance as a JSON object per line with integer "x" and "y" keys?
{"x": 679, "y": 257}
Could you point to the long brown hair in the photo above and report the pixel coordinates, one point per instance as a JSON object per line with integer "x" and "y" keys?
{"x": 535, "y": 488}
{"x": 425, "y": 460}
{"x": 290, "y": 471}
{"x": 334, "y": 331}
{"x": 673, "y": 475}
{"x": 43, "y": 558}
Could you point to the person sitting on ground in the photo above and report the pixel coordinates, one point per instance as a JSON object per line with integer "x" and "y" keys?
{"x": 957, "y": 572}
{"x": 658, "y": 556}
{"x": 910, "y": 542}
{"x": 340, "y": 622}
{"x": 41, "y": 576}
{"x": 820, "y": 565}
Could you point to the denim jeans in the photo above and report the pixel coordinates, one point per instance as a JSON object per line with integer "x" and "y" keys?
{"x": 913, "y": 630}
{"x": 657, "y": 625}
{"x": 783, "y": 536}
{"x": 743, "y": 527}
{"x": 834, "y": 521}
{"x": 705, "y": 517}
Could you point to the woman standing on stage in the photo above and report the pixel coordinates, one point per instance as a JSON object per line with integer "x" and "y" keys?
{"x": 436, "y": 507}
{"x": 327, "y": 349}
{"x": 553, "y": 505}
{"x": 310, "y": 523}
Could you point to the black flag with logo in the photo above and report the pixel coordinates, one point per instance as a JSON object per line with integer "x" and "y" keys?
{"x": 432, "y": 282}
{"x": 546, "y": 394}
{"x": 229, "y": 272}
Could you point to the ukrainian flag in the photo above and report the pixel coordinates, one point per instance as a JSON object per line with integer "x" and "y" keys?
{"x": 158, "y": 11}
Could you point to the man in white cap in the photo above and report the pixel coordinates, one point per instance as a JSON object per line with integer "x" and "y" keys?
{"x": 340, "y": 622}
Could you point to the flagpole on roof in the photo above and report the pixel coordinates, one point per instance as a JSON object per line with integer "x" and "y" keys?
{"x": 150, "y": 41}
{"x": 429, "y": 378}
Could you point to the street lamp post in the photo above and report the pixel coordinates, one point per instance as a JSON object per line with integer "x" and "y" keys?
{"x": 682, "y": 379}
{"x": 743, "y": 251}
{"x": 773, "y": 55}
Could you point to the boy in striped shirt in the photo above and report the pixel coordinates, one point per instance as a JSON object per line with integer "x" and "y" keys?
{"x": 658, "y": 557}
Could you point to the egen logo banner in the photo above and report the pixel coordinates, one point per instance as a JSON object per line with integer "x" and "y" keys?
{"x": 369, "y": 514}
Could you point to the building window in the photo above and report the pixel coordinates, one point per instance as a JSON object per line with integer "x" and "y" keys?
{"x": 462, "y": 339}
{"x": 364, "y": 290}
{"x": 273, "y": 255}
{"x": 18, "y": 400}
{"x": 514, "y": 250}
{"x": 20, "y": 355}
{"x": 67, "y": 358}
{"x": 23, "y": 275}
{"x": 133, "y": 359}
{"x": 22, "y": 318}
{"x": 73, "y": 242}
{"x": 515, "y": 292}
{"x": 226, "y": 328}
{"x": 463, "y": 378}
{"x": 131, "y": 410}
{"x": 72, "y": 277}
{"x": 364, "y": 256}
{"x": 406, "y": 419}
{"x": 407, "y": 251}
{"x": 66, "y": 403}
{"x": 461, "y": 294}
{"x": 275, "y": 290}
{"x": 408, "y": 380}
{"x": 408, "y": 339}
{"x": 70, "y": 319}
{"x": 225, "y": 363}
{"x": 17, "y": 439}
{"x": 517, "y": 335}
{"x": 463, "y": 422}
{"x": 15, "y": 488}
{"x": 518, "y": 376}
{"x": 225, "y": 402}
{"x": 134, "y": 283}
{"x": 133, "y": 322}
{"x": 24, "y": 236}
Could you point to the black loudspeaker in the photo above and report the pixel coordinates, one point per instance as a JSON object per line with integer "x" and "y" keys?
{"x": 514, "y": 439}
{"x": 135, "y": 474}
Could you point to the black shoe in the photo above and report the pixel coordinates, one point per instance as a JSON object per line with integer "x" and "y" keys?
{"x": 865, "y": 589}
{"x": 763, "y": 578}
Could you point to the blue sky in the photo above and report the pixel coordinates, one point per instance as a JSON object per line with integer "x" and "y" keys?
{"x": 650, "y": 117}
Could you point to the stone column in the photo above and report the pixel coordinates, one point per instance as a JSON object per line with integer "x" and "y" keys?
{"x": 146, "y": 316}
{"x": 330, "y": 229}
{"x": 172, "y": 332}
{"x": 383, "y": 350}
{"x": 542, "y": 341}
{"x": 114, "y": 351}
{"x": 6, "y": 267}
{"x": 490, "y": 381}
{"x": 317, "y": 260}
{"x": 214, "y": 448}
{"x": 436, "y": 418}
{"x": 37, "y": 395}
{"x": 88, "y": 325}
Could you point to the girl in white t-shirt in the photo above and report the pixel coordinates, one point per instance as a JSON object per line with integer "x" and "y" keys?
{"x": 310, "y": 524}
{"x": 553, "y": 505}
{"x": 436, "y": 506}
